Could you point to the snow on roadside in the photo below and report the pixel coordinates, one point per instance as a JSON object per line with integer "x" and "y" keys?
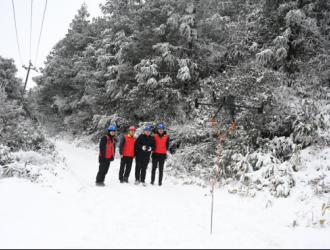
{"x": 312, "y": 189}
{"x": 72, "y": 213}
{"x": 40, "y": 167}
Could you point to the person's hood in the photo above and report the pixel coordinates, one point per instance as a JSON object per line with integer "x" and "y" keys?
{"x": 110, "y": 135}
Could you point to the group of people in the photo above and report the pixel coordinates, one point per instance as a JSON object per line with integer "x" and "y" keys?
{"x": 129, "y": 148}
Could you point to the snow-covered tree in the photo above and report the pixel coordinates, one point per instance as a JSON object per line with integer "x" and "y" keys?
{"x": 146, "y": 61}
{"x": 8, "y": 79}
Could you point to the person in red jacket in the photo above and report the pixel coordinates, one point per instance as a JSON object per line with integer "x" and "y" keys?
{"x": 127, "y": 154}
{"x": 159, "y": 155}
{"x": 106, "y": 155}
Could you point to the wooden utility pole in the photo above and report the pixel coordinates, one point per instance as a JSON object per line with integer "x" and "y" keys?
{"x": 31, "y": 67}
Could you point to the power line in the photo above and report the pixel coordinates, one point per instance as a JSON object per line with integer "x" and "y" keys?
{"x": 19, "y": 50}
{"x": 42, "y": 25}
{"x": 31, "y": 27}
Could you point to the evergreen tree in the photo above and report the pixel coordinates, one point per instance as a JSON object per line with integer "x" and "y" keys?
{"x": 8, "y": 80}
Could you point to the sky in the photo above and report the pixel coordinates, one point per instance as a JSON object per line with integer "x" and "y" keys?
{"x": 58, "y": 17}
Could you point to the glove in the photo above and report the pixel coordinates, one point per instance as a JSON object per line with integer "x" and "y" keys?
{"x": 149, "y": 149}
{"x": 145, "y": 148}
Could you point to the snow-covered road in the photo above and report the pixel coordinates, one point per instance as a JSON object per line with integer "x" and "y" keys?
{"x": 128, "y": 216}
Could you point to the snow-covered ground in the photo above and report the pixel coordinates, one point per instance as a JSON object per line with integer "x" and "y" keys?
{"x": 69, "y": 212}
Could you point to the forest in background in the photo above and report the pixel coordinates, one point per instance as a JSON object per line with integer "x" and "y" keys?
{"x": 145, "y": 62}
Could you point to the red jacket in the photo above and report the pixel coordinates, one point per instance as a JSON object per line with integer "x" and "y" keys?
{"x": 110, "y": 148}
{"x": 161, "y": 144}
{"x": 127, "y": 146}
{"x": 107, "y": 148}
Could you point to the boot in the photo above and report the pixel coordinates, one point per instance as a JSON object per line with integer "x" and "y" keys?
{"x": 137, "y": 183}
{"x": 100, "y": 184}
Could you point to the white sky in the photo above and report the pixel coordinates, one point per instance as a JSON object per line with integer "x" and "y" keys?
{"x": 58, "y": 18}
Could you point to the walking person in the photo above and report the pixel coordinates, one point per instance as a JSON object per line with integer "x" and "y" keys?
{"x": 145, "y": 144}
{"x": 159, "y": 155}
{"x": 106, "y": 155}
{"x": 127, "y": 154}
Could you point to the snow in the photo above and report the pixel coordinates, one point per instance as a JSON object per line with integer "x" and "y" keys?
{"x": 69, "y": 212}
{"x": 31, "y": 157}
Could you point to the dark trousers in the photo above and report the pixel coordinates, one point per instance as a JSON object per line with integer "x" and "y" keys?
{"x": 141, "y": 170}
{"x": 125, "y": 168}
{"x": 155, "y": 163}
{"x": 103, "y": 171}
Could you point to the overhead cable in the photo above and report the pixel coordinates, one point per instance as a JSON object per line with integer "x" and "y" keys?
{"x": 42, "y": 25}
{"x": 31, "y": 27}
{"x": 19, "y": 49}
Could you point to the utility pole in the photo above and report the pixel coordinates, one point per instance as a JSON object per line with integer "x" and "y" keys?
{"x": 31, "y": 67}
